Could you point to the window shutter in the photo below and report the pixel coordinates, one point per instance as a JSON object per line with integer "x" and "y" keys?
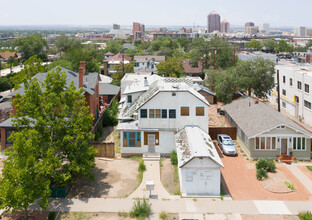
{"x": 145, "y": 137}
{"x": 185, "y": 111}
{"x": 157, "y": 138}
{"x": 200, "y": 111}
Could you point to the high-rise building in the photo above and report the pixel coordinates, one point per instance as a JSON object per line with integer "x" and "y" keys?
{"x": 138, "y": 30}
{"x": 252, "y": 30}
{"x": 300, "y": 31}
{"x": 264, "y": 28}
{"x": 225, "y": 26}
{"x": 116, "y": 26}
{"x": 309, "y": 32}
{"x": 213, "y": 23}
{"x": 248, "y": 24}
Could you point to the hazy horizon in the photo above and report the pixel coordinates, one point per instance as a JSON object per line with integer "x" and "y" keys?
{"x": 163, "y": 13}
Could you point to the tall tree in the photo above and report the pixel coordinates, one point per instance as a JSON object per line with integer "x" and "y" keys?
{"x": 120, "y": 71}
{"x": 172, "y": 67}
{"x": 283, "y": 46}
{"x": 51, "y": 142}
{"x": 269, "y": 45}
{"x": 33, "y": 44}
{"x": 254, "y": 45}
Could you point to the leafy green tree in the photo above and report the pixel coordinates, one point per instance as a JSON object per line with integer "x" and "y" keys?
{"x": 31, "y": 67}
{"x": 269, "y": 44}
{"x": 48, "y": 146}
{"x": 114, "y": 46}
{"x": 172, "y": 67}
{"x": 64, "y": 43}
{"x": 254, "y": 45}
{"x": 62, "y": 63}
{"x": 4, "y": 84}
{"x": 225, "y": 84}
{"x": 120, "y": 71}
{"x": 33, "y": 44}
{"x": 256, "y": 74}
{"x": 184, "y": 43}
{"x": 283, "y": 46}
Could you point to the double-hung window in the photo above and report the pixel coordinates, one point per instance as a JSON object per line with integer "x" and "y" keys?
{"x": 299, "y": 143}
{"x": 172, "y": 113}
{"x": 143, "y": 113}
{"x": 131, "y": 139}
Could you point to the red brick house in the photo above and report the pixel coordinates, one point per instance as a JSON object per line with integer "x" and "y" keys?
{"x": 191, "y": 69}
{"x": 88, "y": 81}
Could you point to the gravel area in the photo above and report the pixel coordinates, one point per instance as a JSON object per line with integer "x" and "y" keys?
{"x": 167, "y": 176}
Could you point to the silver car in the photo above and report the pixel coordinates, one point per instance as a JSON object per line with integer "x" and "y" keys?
{"x": 226, "y": 144}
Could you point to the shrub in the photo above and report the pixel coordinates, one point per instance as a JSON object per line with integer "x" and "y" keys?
{"x": 290, "y": 185}
{"x": 142, "y": 166}
{"x": 110, "y": 115}
{"x": 266, "y": 164}
{"x": 262, "y": 174}
{"x": 305, "y": 215}
{"x": 141, "y": 209}
{"x": 163, "y": 215}
{"x": 174, "y": 158}
{"x": 51, "y": 215}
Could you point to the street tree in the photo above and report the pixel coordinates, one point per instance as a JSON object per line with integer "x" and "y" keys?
{"x": 283, "y": 46}
{"x": 254, "y": 45}
{"x": 50, "y": 143}
{"x": 172, "y": 67}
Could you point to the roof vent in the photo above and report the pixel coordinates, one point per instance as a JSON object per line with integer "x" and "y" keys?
{"x": 175, "y": 86}
{"x": 145, "y": 82}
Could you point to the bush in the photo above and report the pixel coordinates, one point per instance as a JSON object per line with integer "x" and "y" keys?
{"x": 262, "y": 174}
{"x": 142, "y": 166}
{"x": 305, "y": 215}
{"x": 163, "y": 215}
{"x": 266, "y": 164}
{"x": 174, "y": 158}
{"x": 290, "y": 185}
{"x": 51, "y": 215}
{"x": 141, "y": 209}
{"x": 110, "y": 115}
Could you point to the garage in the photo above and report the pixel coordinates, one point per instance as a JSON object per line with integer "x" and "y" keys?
{"x": 198, "y": 163}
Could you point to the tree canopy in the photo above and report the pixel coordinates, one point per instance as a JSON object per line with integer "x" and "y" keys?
{"x": 172, "y": 67}
{"x": 50, "y": 142}
{"x": 254, "y": 45}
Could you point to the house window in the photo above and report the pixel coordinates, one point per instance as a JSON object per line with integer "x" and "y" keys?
{"x": 299, "y": 86}
{"x": 131, "y": 139}
{"x": 129, "y": 98}
{"x": 284, "y": 104}
{"x": 307, "y": 104}
{"x": 152, "y": 113}
{"x": 284, "y": 92}
{"x": 185, "y": 111}
{"x": 284, "y": 79}
{"x": 200, "y": 111}
{"x": 290, "y": 82}
{"x": 172, "y": 113}
{"x": 143, "y": 113}
{"x": 306, "y": 88}
{"x": 265, "y": 143}
{"x": 299, "y": 143}
{"x": 164, "y": 113}
{"x": 136, "y": 64}
{"x": 155, "y": 113}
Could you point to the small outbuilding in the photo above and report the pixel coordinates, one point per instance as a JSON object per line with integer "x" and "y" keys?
{"x": 198, "y": 163}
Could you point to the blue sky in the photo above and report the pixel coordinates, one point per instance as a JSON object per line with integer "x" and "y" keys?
{"x": 157, "y": 12}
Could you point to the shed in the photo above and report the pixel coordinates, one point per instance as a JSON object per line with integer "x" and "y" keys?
{"x": 206, "y": 92}
{"x": 198, "y": 163}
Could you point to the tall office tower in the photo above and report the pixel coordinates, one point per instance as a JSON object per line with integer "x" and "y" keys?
{"x": 116, "y": 26}
{"x": 225, "y": 26}
{"x": 249, "y": 24}
{"x": 264, "y": 28}
{"x": 300, "y": 31}
{"x": 213, "y": 23}
{"x": 138, "y": 30}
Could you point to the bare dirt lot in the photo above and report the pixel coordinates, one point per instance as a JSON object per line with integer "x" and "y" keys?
{"x": 239, "y": 180}
{"x": 115, "y": 179}
{"x": 168, "y": 178}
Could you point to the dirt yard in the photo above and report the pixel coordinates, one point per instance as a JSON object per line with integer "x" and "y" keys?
{"x": 239, "y": 180}
{"x": 215, "y": 119}
{"x": 113, "y": 179}
{"x": 168, "y": 178}
{"x": 32, "y": 215}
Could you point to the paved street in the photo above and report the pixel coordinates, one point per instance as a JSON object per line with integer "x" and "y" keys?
{"x": 6, "y": 100}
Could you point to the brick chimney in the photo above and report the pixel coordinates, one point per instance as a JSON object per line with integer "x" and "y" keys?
{"x": 82, "y": 71}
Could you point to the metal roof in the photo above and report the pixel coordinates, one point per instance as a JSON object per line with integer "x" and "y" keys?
{"x": 199, "y": 87}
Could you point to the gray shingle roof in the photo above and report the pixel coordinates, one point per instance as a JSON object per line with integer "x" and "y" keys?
{"x": 199, "y": 87}
{"x": 89, "y": 81}
{"x": 108, "y": 89}
{"x": 254, "y": 119}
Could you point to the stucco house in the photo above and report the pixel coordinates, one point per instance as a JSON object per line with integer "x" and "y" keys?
{"x": 266, "y": 132}
{"x": 88, "y": 81}
{"x": 198, "y": 163}
{"x": 150, "y": 119}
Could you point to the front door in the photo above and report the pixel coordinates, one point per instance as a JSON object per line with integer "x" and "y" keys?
{"x": 151, "y": 143}
{"x": 284, "y": 146}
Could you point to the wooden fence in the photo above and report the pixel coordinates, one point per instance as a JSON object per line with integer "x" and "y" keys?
{"x": 105, "y": 149}
{"x": 214, "y": 131}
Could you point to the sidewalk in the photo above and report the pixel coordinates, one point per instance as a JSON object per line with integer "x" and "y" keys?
{"x": 300, "y": 176}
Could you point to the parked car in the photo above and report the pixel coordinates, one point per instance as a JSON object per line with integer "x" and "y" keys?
{"x": 226, "y": 144}
{"x": 1, "y": 98}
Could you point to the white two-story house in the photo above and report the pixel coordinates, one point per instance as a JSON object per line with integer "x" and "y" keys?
{"x": 147, "y": 62}
{"x": 149, "y": 120}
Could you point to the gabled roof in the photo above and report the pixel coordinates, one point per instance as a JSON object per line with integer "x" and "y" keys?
{"x": 199, "y": 87}
{"x": 145, "y": 59}
{"x": 108, "y": 89}
{"x": 255, "y": 119}
{"x": 192, "y": 142}
{"x": 118, "y": 57}
{"x": 7, "y": 54}
{"x": 161, "y": 85}
{"x": 89, "y": 81}
{"x": 105, "y": 79}
{"x": 109, "y": 54}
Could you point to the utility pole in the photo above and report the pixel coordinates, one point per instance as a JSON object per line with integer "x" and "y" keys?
{"x": 278, "y": 93}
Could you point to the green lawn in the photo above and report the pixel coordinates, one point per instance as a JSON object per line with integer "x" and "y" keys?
{"x": 309, "y": 167}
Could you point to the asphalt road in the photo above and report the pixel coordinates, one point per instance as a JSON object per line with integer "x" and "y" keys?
{"x": 6, "y": 100}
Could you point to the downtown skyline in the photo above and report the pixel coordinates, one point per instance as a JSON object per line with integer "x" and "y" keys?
{"x": 277, "y": 13}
